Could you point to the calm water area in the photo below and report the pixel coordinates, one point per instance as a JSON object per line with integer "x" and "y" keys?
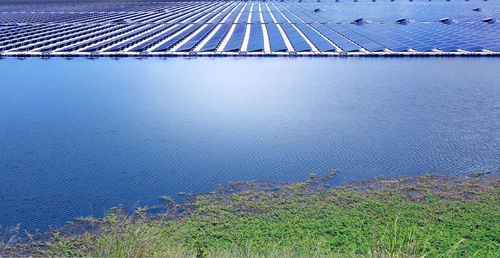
{"x": 80, "y": 136}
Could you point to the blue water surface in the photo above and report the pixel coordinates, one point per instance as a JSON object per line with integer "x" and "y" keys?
{"x": 80, "y": 136}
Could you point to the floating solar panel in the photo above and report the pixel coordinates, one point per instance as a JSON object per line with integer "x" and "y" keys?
{"x": 320, "y": 42}
{"x": 152, "y": 41}
{"x": 118, "y": 39}
{"x": 177, "y": 38}
{"x": 309, "y": 27}
{"x": 289, "y": 16}
{"x": 244, "y": 17}
{"x": 190, "y": 44}
{"x": 256, "y": 40}
{"x": 233, "y": 14}
{"x": 339, "y": 40}
{"x": 267, "y": 17}
{"x": 276, "y": 41}
{"x": 349, "y": 31}
{"x": 112, "y": 33}
{"x": 216, "y": 39}
{"x": 280, "y": 18}
{"x": 142, "y": 37}
{"x": 255, "y": 18}
{"x": 75, "y": 37}
{"x": 298, "y": 42}
{"x": 234, "y": 42}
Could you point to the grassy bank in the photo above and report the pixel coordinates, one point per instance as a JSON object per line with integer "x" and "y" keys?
{"x": 424, "y": 216}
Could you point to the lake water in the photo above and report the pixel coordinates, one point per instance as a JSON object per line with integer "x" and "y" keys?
{"x": 80, "y": 136}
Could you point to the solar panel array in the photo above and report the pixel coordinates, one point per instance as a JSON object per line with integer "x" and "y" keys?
{"x": 272, "y": 27}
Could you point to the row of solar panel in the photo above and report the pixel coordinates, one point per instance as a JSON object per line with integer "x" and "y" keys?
{"x": 103, "y": 18}
{"x": 347, "y": 37}
{"x": 211, "y": 23}
{"x": 286, "y": 12}
{"x": 463, "y": 12}
{"x": 32, "y": 37}
{"x": 25, "y": 33}
{"x": 104, "y": 6}
{"x": 160, "y": 16}
{"x": 324, "y": 37}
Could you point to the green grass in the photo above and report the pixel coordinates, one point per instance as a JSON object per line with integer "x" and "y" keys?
{"x": 427, "y": 216}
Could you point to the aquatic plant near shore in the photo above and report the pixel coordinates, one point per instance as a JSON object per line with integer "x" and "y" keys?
{"x": 391, "y": 217}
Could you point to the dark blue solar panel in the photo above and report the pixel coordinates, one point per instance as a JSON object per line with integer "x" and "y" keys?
{"x": 244, "y": 17}
{"x": 318, "y": 41}
{"x": 375, "y": 33}
{"x": 255, "y": 16}
{"x": 256, "y": 40}
{"x": 245, "y": 14}
{"x": 267, "y": 17}
{"x": 134, "y": 41}
{"x": 233, "y": 14}
{"x": 216, "y": 39}
{"x": 153, "y": 41}
{"x": 292, "y": 18}
{"x": 276, "y": 41}
{"x": 115, "y": 40}
{"x": 473, "y": 48}
{"x": 326, "y": 24}
{"x": 278, "y": 16}
{"x": 67, "y": 40}
{"x": 336, "y": 38}
{"x": 234, "y": 42}
{"x": 13, "y": 33}
{"x": 50, "y": 35}
{"x": 191, "y": 43}
{"x": 346, "y": 30}
{"x": 100, "y": 38}
{"x": 177, "y": 38}
{"x": 298, "y": 42}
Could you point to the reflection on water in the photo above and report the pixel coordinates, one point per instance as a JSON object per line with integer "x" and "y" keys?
{"x": 80, "y": 136}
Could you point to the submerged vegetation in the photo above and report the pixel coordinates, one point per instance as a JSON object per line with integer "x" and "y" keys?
{"x": 393, "y": 217}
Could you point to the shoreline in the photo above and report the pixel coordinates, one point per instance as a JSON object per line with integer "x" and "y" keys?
{"x": 248, "y": 200}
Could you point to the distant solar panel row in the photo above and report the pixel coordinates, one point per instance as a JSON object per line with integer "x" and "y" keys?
{"x": 305, "y": 27}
